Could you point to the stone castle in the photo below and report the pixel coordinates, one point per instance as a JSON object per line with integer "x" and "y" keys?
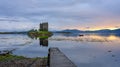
{"x": 43, "y": 26}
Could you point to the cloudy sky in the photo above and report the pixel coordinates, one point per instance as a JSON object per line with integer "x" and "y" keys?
{"x": 61, "y": 14}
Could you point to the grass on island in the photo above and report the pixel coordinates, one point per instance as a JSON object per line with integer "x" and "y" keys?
{"x": 43, "y": 37}
{"x": 40, "y": 34}
{"x": 43, "y": 32}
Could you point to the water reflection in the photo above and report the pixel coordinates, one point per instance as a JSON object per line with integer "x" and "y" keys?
{"x": 77, "y": 34}
{"x": 91, "y": 50}
{"x": 86, "y": 38}
{"x": 43, "y": 42}
{"x": 10, "y": 41}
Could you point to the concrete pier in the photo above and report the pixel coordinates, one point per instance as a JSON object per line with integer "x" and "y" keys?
{"x": 58, "y": 59}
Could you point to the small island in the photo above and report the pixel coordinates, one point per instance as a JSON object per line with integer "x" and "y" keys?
{"x": 42, "y": 32}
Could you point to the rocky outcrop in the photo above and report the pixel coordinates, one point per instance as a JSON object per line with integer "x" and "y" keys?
{"x": 41, "y": 62}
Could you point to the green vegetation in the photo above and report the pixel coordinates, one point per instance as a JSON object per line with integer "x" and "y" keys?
{"x": 39, "y": 34}
{"x": 43, "y": 37}
{"x": 43, "y": 32}
{"x": 10, "y": 57}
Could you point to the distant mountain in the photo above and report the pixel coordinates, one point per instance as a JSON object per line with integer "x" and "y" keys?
{"x": 72, "y": 30}
{"x": 68, "y": 31}
{"x": 108, "y": 31}
{"x": 23, "y": 32}
{"x": 117, "y": 30}
{"x": 97, "y": 31}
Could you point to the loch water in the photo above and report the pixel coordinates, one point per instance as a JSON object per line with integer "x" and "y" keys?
{"x": 90, "y": 50}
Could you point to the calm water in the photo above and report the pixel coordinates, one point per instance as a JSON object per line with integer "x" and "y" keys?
{"x": 91, "y": 50}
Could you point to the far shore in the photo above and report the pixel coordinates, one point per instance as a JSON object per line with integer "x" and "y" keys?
{"x": 13, "y": 32}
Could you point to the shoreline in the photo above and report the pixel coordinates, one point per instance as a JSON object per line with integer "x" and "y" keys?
{"x": 10, "y": 60}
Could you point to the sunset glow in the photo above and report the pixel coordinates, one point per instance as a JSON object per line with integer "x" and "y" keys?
{"x": 93, "y": 29}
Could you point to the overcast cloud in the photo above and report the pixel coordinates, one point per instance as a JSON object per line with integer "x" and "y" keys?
{"x": 61, "y": 14}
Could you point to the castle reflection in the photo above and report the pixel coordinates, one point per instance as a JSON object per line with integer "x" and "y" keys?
{"x": 43, "y": 42}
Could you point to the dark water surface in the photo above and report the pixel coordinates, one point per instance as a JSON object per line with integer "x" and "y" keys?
{"x": 90, "y": 50}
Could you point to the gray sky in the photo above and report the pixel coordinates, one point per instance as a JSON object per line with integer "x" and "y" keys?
{"x": 61, "y": 14}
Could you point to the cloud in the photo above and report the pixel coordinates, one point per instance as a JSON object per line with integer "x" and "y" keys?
{"x": 61, "y": 14}
{"x": 13, "y": 26}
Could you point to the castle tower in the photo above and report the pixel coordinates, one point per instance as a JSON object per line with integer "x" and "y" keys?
{"x": 44, "y": 26}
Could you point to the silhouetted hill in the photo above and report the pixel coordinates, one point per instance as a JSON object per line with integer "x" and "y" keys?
{"x": 108, "y": 31}
{"x": 97, "y": 31}
{"x": 24, "y": 32}
{"x": 72, "y": 30}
